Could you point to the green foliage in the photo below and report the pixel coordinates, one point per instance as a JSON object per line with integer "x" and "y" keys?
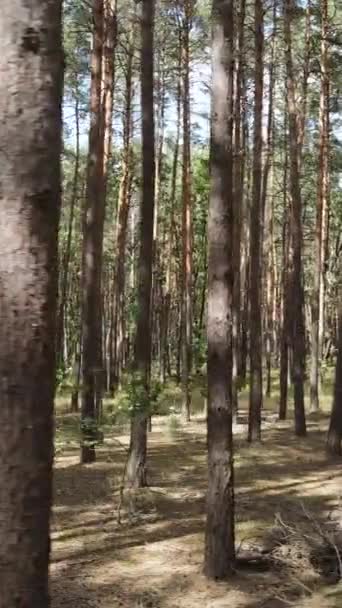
{"x": 134, "y": 397}
{"x": 65, "y": 380}
{"x": 169, "y": 399}
{"x": 60, "y": 378}
{"x": 169, "y": 19}
{"x": 199, "y": 346}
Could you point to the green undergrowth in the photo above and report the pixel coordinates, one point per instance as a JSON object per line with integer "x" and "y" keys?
{"x": 167, "y": 402}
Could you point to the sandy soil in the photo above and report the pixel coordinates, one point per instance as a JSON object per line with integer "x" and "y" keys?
{"x": 153, "y": 559}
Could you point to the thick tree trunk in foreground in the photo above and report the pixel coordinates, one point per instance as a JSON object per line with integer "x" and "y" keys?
{"x": 30, "y": 131}
{"x": 255, "y": 395}
{"x": 219, "y": 534}
{"x": 92, "y": 252}
{"x": 296, "y": 318}
{"x": 317, "y": 304}
{"x": 334, "y": 439}
{"x": 136, "y": 468}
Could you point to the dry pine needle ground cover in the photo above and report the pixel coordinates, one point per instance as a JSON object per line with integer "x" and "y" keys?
{"x": 288, "y": 495}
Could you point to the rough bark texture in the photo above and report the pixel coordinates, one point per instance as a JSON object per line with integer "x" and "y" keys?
{"x": 92, "y": 251}
{"x": 30, "y": 129}
{"x": 136, "y": 469}
{"x": 296, "y": 320}
{"x": 219, "y": 535}
{"x": 255, "y": 395}
{"x": 317, "y": 302}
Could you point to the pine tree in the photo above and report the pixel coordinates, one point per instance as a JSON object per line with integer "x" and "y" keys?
{"x": 136, "y": 466}
{"x": 219, "y": 534}
{"x": 255, "y": 396}
{"x": 31, "y": 65}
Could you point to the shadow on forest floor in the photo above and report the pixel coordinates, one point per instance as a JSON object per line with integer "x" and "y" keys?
{"x": 154, "y": 558}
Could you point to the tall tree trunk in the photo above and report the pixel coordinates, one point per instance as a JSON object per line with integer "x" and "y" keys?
{"x": 158, "y": 238}
{"x": 276, "y": 305}
{"x": 76, "y": 379}
{"x": 136, "y": 465}
{"x": 317, "y": 303}
{"x": 270, "y": 286}
{"x": 255, "y": 396}
{"x": 108, "y": 77}
{"x": 334, "y": 439}
{"x": 238, "y": 202}
{"x": 186, "y": 217}
{"x": 66, "y": 258}
{"x": 121, "y": 227}
{"x": 171, "y": 236}
{"x": 203, "y": 294}
{"x": 31, "y": 69}
{"x": 267, "y": 210}
{"x": 219, "y": 534}
{"x": 302, "y": 113}
{"x": 92, "y": 251}
{"x": 270, "y": 120}
{"x": 245, "y": 240}
{"x": 297, "y": 330}
{"x": 284, "y": 338}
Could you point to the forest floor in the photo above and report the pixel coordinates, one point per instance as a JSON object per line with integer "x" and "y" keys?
{"x": 154, "y": 557}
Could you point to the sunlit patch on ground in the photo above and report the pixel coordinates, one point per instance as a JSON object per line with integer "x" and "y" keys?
{"x": 154, "y": 558}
